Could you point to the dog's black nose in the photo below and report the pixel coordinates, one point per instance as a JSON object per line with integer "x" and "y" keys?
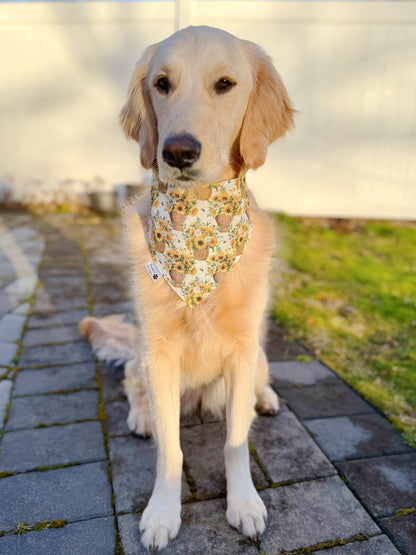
{"x": 181, "y": 151}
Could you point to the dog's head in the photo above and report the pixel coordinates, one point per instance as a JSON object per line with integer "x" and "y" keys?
{"x": 204, "y": 106}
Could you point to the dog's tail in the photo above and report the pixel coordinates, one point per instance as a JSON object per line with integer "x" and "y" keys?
{"x": 112, "y": 340}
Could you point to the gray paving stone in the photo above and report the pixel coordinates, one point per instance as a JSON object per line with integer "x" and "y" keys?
{"x": 7, "y": 305}
{"x": 133, "y": 465}
{"x": 117, "y": 413}
{"x": 22, "y": 309}
{"x": 35, "y": 410}
{"x": 377, "y": 545}
{"x": 130, "y": 535}
{"x": 74, "y": 493}
{"x": 109, "y": 274}
{"x": 383, "y": 484}
{"x": 304, "y": 514}
{"x": 104, "y": 309}
{"x": 22, "y": 288}
{"x": 44, "y": 302}
{"x": 66, "y": 270}
{"x": 63, "y": 253}
{"x": 51, "y": 319}
{"x": 56, "y": 378}
{"x": 286, "y": 449}
{"x": 23, "y": 233}
{"x": 203, "y": 451}
{"x": 58, "y": 445}
{"x": 403, "y": 531}
{"x": 72, "y": 259}
{"x": 64, "y": 249}
{"x": 46, "y": 355}
{"x": 293, "y": 372}
{"x": 32, "y": 246}
{"x": 42, "y": 336}
{"x": 324, "y": 400}
{"x": 64, "y": 282}
{"x": 356, "y": 436}
{"x": 5, "y": 389}
{"x": 192, "y": 419}
{"x": 7, "y": 352}
{"x": 279, "y": 346}
{"x": 204, "y": 530}
{"x": 111, "y": 382}
{"x": 92, "y": 537}
{"x": 106, "y": 293}
{"x": 11, "y": 327}
{"x": 56, "y": 291}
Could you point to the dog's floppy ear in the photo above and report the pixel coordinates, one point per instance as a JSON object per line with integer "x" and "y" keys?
{"x": 137, "y": 116}
{"x": 269, "y": 111}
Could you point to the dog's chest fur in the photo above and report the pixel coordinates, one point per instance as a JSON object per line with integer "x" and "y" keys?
{"x": 203, "y": 337}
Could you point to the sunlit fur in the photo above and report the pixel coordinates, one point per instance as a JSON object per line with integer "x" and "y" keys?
{"x": 209, "y": 356}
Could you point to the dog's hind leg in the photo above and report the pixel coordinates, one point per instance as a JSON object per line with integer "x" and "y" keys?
{"x": 136, "y": 390}
{"x": 115, "y": 341}
{"x": 245, "y": 509}
{"x": 267, "y": 402}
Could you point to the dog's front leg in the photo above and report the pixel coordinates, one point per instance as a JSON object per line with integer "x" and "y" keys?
{"x": 162, "y": 517}
{"x": 245, "y": 509}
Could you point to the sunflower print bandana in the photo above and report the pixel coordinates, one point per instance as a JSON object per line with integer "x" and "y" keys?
{"x": 197, "y": 235}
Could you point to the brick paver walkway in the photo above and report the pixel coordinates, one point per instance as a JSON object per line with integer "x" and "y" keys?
{"x": 334, "y": 475}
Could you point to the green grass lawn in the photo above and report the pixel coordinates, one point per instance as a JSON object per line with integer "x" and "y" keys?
{"x": 348, "y": 292}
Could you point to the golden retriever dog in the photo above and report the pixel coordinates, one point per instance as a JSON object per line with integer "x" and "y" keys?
{"x": 204, "y": 107}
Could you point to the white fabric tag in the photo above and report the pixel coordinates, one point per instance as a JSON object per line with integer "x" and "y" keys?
{"x": 153, "y": 271}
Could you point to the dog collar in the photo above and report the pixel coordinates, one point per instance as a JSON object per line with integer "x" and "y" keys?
{"x": 197, "y": 235}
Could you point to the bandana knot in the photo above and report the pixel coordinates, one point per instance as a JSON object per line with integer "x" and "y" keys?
{"x": 197, "y": 235}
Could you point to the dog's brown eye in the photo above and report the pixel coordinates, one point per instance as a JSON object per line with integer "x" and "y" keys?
{"x": 223, "y": 85}
{"x": 163, "y": 85}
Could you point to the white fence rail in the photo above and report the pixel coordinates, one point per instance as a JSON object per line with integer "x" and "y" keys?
{"x": 350, "y": 68}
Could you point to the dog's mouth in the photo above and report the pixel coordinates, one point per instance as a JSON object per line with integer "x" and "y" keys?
{"x": 181, "y": 177}
{"x": 189, "y": 175}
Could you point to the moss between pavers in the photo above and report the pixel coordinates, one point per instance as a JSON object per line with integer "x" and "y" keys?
{"x": 65, "y": 391}
{"x": 404, "y": 512}
{"x": 101, "y": 414}
{"x": 326, "y": 545}
{"x": 191, "y": 482}
{"x": 52, "y": 424}
{"x": 304, "y": 358}
{"x": 21, "y": 528}
{"x": 24, "y": 528}
{"x": 57, "y": 466}
{"x": 6, "y": 474}
{"x": 253, "y": 452}
{"x": 15, "y": 370}
{"x": 49, "y": 524}
{"x": 6, "y": 373}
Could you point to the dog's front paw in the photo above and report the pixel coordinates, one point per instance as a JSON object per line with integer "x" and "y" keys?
{"x": 247, "y": 514}
{"x": 159, "y": 524}
{"x": 138, "y": 421}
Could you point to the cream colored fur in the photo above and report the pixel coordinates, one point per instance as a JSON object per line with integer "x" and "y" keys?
{"x": 210, "y": 355}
